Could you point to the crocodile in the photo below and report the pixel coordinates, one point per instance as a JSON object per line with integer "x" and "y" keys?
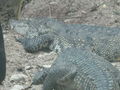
{"x": 102, "y": 40}
{"x": 79, "y": 69}
{"x": 2, "y": 57}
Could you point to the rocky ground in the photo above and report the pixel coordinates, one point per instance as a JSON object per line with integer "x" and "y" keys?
{"x": 21, "y": 65}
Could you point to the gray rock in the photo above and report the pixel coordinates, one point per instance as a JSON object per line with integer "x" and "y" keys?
{"x": 28, "y": 67}
{"x": 17, "y": 87}
{"x": 18, "y": 77}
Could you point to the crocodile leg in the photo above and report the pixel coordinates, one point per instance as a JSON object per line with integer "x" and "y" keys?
{"x": 40, "y": 76}
{"x": 62, "y": 76}
{"x": 2, "y": 57}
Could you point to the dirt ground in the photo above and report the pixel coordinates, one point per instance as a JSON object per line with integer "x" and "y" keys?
{"x": 18, "y": 60}
{"x": 95, "y": 12}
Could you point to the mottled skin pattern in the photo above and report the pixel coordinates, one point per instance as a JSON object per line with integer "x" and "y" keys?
{"x": 2, "y": 57}
{"x": 39, "y": 77}
{"x": 104, "y": 41}
{"x": 40, "y": 43}
{"x": 79, "y": 69}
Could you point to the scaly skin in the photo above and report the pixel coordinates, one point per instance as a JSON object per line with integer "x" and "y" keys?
{"x": 79, "y": 69}
{"x": 104, "y": 41}
{"x": 41, "y": 42}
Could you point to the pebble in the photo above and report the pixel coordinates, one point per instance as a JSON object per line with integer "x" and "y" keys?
{"x": 68, "y": 20}
{"x": 17, "y": 87}
{"x": 18, "y": 77}
{"x": 43, "y": 55}
{"x": 53, "y": 3}
{"x": 46, "y": 66}
{"x": 104, "y": 6}
{"x": 46, "y": 55}
{"x": 28, "y": 67}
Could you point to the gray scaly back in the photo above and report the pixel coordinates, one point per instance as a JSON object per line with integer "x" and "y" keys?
{"x": 80, "y": 69}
